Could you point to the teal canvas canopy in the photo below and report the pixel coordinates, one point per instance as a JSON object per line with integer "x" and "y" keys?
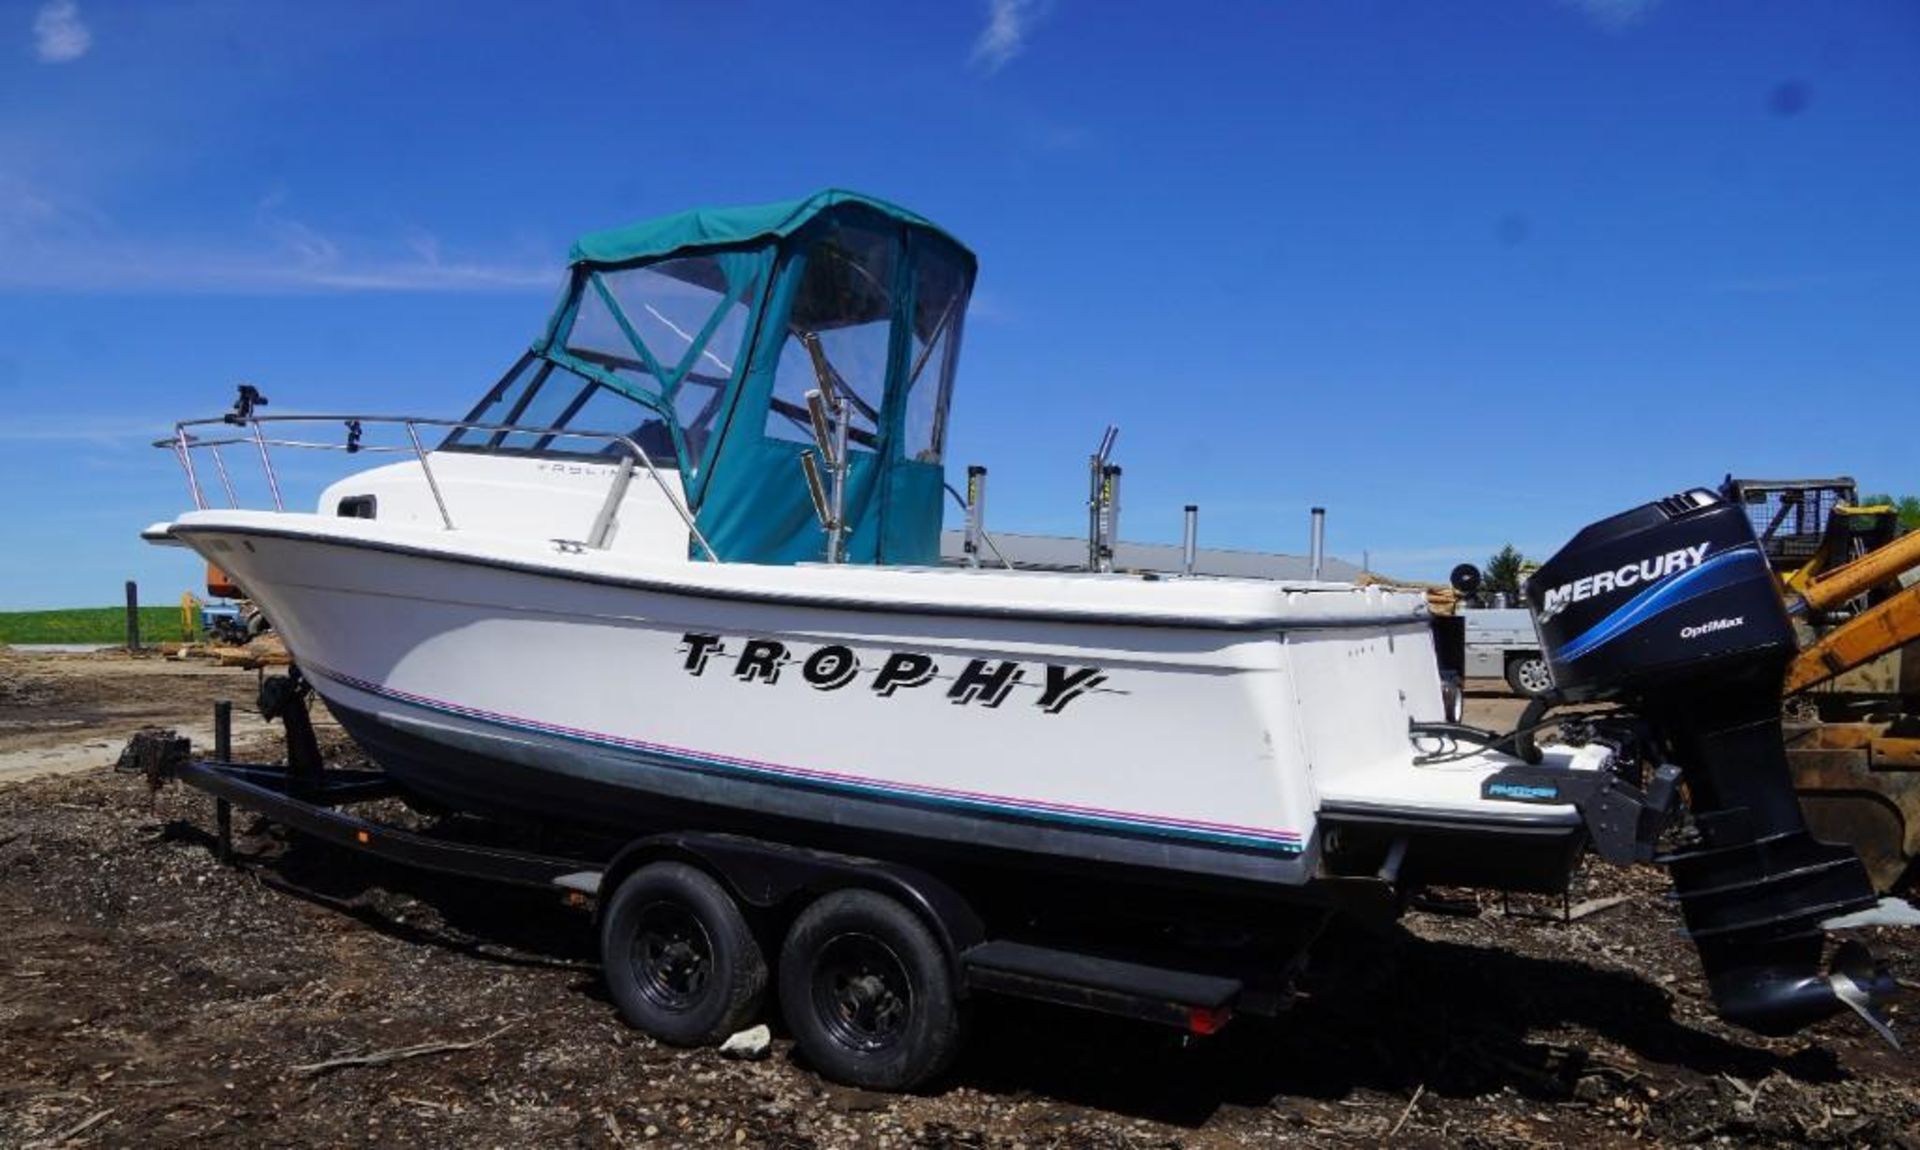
{"x": 751, "y": 224}
{"x": 700, "y": 333}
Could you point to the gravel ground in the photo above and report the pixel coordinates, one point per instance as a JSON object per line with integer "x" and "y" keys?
{"x": 150, "y": 995}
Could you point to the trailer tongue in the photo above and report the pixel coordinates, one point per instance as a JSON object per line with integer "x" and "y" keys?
{"x": 1670, "y": 610}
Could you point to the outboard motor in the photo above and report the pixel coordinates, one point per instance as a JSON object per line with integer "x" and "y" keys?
{"x": 1672, "y": 610}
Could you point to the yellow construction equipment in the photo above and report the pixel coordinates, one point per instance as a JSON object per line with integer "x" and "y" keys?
{"x": 1850, "y": 532}
{"x": 1889, "y": 621}
{"x": 1855, "y": 754}
{"x": 1879, "y": 630}
{"x": 190, "y": 605}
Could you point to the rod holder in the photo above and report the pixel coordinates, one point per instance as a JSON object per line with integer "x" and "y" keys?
{"x": 822, "y": 421}
{"x": 1317, "y": 543}
{"x": 1103, "y": 503}
{"x": 1190, "y": 540}
{"x": 816, "y": 488}
{"x": 976, "y": 513}
{"x": 827, "y": 474}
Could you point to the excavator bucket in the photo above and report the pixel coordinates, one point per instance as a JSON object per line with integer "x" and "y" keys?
{"x": 1859, "y": 783}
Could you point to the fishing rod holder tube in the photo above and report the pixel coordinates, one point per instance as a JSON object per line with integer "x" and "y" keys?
{"x": 1103, "y": 503}
{"x": 1671, "y": 611}
{"x": 976, "y": 505}
{"x": 1317, "y": 542}
{"x": 826, "y": 474}
{"x": 1190, "y": 539}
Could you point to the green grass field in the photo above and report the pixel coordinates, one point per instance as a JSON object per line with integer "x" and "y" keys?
{"x": 89, "y": 625}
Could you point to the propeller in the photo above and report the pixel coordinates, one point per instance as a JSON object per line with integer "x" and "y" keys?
{"x": 1861, "y": 984}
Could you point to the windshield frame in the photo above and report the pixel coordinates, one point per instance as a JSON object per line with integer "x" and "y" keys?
{"x": 544, "y": 366}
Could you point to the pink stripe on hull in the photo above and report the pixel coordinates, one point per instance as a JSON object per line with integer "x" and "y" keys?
{"x": 1291, "y": 838}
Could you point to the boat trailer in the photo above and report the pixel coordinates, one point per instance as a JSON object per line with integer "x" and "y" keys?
{"x": 306, "y": 795}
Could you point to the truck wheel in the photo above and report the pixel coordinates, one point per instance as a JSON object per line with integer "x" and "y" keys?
{"x": 679, "y": 958}
{"x": 868, "y": 992}
{"x": 1528, "y": 675}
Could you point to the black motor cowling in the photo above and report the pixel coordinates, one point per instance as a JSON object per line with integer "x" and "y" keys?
{"x": 1669, "y": 593}
{"x": 1672, "y": 610}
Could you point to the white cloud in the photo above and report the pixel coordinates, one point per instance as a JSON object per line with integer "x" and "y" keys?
{"x": 188, "y": 268}
{"x": 100, "y": 430}
{"x": 59, "y": 35}
{"x": 418, "y": 276}
{"x": 50, "y": 245}
{"x": 307, "y": 247}
{"x": 1005, "y": 36}
{"x": 22, "y": 208}
{"x": 1614, "y": 15}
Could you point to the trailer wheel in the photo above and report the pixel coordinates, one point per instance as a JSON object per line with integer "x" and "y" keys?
{"x": 1528, "y": 675}
{"x": 868, "y": 992}
{"x": 679, "y": 959}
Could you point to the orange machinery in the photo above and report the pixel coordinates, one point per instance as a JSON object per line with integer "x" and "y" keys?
{"x": 1855, "y": 754}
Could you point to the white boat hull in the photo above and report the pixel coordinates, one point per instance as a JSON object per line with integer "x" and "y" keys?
{"x": 541, "y": 689}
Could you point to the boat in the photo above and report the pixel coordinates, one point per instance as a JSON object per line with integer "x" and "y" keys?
{"x": 678, "y": 569}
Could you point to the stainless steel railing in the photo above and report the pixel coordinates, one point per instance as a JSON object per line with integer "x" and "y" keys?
{"x": 248, "y": 430}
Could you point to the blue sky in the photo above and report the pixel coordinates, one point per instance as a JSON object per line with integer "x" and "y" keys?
{"x": 1463, "y": 273}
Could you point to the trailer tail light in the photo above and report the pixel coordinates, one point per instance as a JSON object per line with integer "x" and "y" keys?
{"x": 1203, "y": 1021}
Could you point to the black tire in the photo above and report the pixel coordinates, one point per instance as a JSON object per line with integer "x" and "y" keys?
{"x": 1527, "y": 675}
{"x": 679, "y": 959}
{"x": 868, "y": 992}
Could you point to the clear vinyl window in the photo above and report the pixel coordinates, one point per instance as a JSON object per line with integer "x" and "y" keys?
{"x": 538, "y": 394}
{"x": 839, "y": 334}
{"x": 939, "y": 304}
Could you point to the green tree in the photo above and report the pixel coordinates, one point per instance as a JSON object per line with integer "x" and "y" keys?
{"x": 1907, "y": 507}
{"x": 1503, "y": 572}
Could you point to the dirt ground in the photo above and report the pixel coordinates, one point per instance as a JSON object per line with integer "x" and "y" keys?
{"x": 64, "y": 712}
{"x": 151, "y": 996}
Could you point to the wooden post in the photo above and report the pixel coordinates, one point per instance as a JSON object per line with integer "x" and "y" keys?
{"x": 133, "y": 616}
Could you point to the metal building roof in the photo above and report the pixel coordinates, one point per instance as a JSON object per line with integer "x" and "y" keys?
{"x": 1065, "y": 553}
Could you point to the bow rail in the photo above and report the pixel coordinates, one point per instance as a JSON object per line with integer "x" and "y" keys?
{"x": 248, "y": 430}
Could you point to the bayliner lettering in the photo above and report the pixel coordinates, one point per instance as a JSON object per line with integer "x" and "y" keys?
{"x": 988, "y": 682}
{"x": 1620, "y": 578}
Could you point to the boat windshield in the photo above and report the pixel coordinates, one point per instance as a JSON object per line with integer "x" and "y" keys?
{"x": 543, "y": 394}
{"x": 647, "y": 352}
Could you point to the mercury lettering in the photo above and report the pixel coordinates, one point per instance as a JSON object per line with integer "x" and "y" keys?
{"x": 1649, "y": 570}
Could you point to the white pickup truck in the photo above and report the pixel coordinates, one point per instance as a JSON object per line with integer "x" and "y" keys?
{"x": 1502, "y": 644}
